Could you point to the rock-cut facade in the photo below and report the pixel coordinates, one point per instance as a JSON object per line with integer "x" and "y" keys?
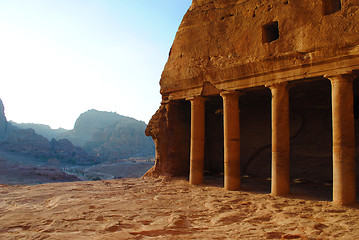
{"x": 263, "y": 89}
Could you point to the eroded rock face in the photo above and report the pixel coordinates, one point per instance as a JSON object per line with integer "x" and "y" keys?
{"x": 169, "y": 129}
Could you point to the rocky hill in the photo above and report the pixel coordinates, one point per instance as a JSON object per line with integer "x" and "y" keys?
{"x": 88, "y": 123}
{"x": 97, "y": 136}
{"x": 120, "y": 140}
{"x": 110, "y": 136}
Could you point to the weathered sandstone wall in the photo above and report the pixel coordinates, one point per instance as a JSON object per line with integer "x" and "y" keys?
{"x": 223, "y": 42}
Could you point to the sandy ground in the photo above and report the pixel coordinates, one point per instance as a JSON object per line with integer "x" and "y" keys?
{"x": 166, "y": 209}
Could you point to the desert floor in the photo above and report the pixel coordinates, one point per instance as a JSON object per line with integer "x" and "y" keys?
{"x": 153, "y": 208}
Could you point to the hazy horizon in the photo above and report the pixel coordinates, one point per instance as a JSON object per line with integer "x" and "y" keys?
{"x": 61, "y": 58}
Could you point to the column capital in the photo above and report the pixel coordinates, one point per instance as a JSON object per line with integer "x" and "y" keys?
{"x": 167, "y": 102}
{"x": 231, "y": 93}
{"x": 348, "y": 77}
{"x": 165, "y": 99}
{"x": 277, "y": 85}
{"x": 196, "y": 98}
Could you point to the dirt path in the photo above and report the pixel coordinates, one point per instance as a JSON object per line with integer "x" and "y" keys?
{"x": 159, "y": 209}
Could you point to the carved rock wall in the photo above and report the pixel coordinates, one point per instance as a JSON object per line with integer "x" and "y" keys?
{"x": 247, "y": 45}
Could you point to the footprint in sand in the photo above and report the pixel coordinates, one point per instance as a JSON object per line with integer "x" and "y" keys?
{"x": 99, "y": 218}
{"x": 228, "y": 218}
{"x": 53, "y": 202}
{"x": 293, "y": 236}
{"x": 18, "y": 228}
{"x": 112, "y": 227}
{"x": 334, "y": 211}
{"x": 278, "y": 206}
{"x": 145, "y": 222}
{"x": 48, "y": 222}
{"x": 274, "y": 235}
{"x": 261, "y": 219}
{"x": 320, "y": 226}
{"x": 178, "y": 221}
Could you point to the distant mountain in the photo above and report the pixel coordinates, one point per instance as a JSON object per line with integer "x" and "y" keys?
{"x": 88, "y": 123}
{"x": 122, "y": 139}
{"x": 41, "y": 129}
{"x": 110, "y": 136}
{"x": 97, "y": 136}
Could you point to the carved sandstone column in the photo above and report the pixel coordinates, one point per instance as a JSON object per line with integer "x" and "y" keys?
{"x": 280, "y": 139}
{"x": 197, "y": 140}
{"x": 231, "y": 140}
{"x": 343, "y": 140}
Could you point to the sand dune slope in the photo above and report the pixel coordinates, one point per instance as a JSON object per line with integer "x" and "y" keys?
{"x": 161, "y": 209}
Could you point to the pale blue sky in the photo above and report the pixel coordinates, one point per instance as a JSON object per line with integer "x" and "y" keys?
{"x": 59, "y": 58}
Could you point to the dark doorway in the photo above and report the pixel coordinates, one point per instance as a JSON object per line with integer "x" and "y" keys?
{"x": 213, "y": 164}
{"x": 311, "y": 166}
{"x": 255, "y": 125}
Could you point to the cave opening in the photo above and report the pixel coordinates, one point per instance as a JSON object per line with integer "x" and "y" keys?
{"x": 331, "y": 6}
{"x": 270, "y": 32}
